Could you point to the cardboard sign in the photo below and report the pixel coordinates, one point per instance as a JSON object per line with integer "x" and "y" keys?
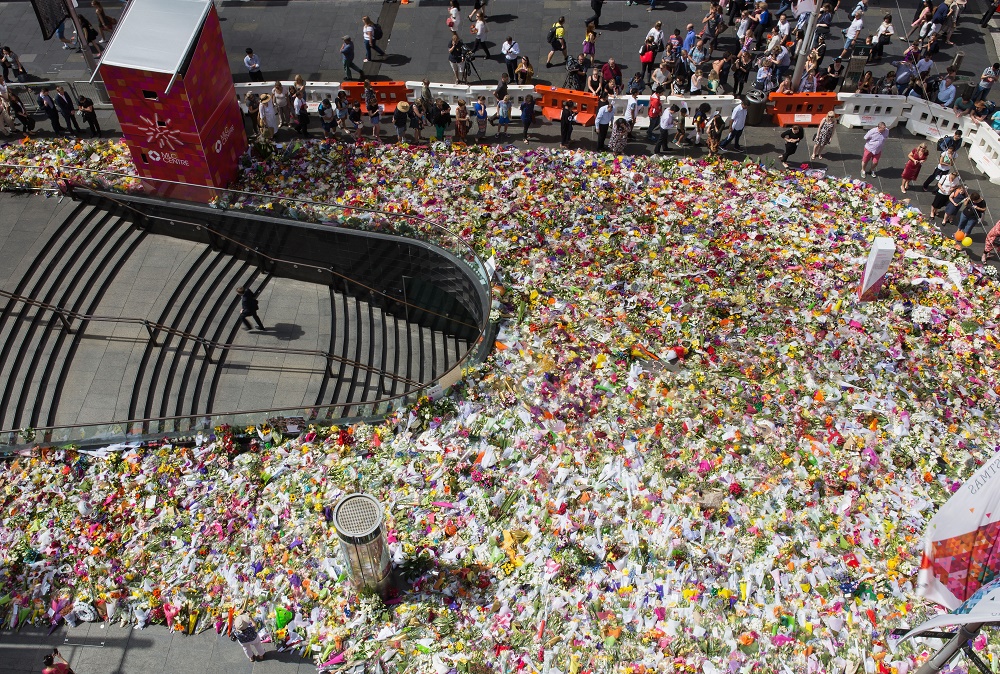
{"x": 879, "y": 259}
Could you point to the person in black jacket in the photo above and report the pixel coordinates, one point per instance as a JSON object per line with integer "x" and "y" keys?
{"x": 566, "y": 121}
{"x": 48, "y": 106}
{"x": 596, "y": 6}
{"x": 249, "y": 306}
{"x": 66, "y": 108}
{"x": 89, "y": 116}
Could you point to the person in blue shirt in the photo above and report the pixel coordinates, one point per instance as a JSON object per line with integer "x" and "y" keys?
{"x": 689, "y": 39}
{"x": 947, "y": 92}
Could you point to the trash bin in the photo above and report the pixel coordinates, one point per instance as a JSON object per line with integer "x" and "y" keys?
{"x": 756, "y": 102}
{"x": 358, "y": 519}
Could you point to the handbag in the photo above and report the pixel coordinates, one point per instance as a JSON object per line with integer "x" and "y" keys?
{"x": 450, "y": 22}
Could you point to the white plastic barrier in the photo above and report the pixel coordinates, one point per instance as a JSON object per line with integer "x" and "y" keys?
{"x": 931, "y": 120}
{"x": 984, "y": 149}
{"x": 516, "y": 92}
{"x": 450, "y": 93}
{"x": 867, "y": 110}
{"x": 724, "y": 104}
{"x": 315, "y": 91}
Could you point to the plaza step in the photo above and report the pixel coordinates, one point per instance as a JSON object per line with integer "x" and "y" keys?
{"x": 73, "y": 271}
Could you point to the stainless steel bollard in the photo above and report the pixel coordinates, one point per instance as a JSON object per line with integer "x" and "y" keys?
{"x": 359, "y": 519}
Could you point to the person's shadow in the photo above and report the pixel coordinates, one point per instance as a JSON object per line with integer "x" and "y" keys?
{"x": 286, "y": 332}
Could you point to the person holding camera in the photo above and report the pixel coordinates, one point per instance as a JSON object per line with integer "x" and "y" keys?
{"x": 53, "y": 667}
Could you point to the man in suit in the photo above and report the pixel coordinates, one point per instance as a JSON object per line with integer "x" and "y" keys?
{"x": 48, "y": 106}
{"x": 66, "y": 108}
{"x": 249, "y": 306}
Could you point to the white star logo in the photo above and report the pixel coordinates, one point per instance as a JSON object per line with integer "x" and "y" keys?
{"x": 157, "y": 132}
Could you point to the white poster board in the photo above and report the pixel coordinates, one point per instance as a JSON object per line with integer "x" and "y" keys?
{"x": 879, "y": 258}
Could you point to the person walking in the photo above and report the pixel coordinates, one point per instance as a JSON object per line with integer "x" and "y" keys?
{"x": 245, "y": 632}
{"x": 371, "y": 36}
{"x": 67, "y": 107}
{"x": 603, "y": 119}
{"x": 824, "y": 134}
{"x": 105, "y": 24}
{"x": 248, "y": 309}
{"x": 480, "y": 32}
{"x": 347, "y": 57}
{"x": 945, "y": 162}
{"x": 597, "y": 7}
{"x": 874, "y": 140}
{"x": 945, "y": 186}
{"x": 737, "y": 122}
{"x": 792, "y": 138}
{"x": 973, "y": 210}
{"x": 48, "y": 106}
{"x": 252, "y": 63}
{"x": 511, "y": 51}
{"x": 914, "y": 161}
{"x": 557, "y": 41}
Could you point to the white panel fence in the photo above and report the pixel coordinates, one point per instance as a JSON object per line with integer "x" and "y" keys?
{"x": 922, "y": 118}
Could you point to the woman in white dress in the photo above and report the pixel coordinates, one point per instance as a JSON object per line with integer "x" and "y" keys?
{"x": 268, "y": 116}
{"x": 454, "y": 16}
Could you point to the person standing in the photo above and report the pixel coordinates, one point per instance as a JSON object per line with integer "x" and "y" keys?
{"x": 456, "y": 57}
{"x": 268, "y": 117}
{"x": 481, "y": 113}
{"x": 53, "y": 667}
{"x": 874, "y": 140}
{"x": 248, "y": 309}
{"x": 714, "y": 133}
{"x": 792, "y": 137}
{"x": 89, "y": 116}
{"x": 527, "y": 114}
{"x": 986, "y": 81}
{"x": 244, "y": 631}
{"x": 347, "y": 56}
{"x": 914, "y": 161}
{"x": 737, "y": 122}
{"x": 654, "y": 111}
{"x": 371, "y": 36}
{"x": 666, "y": 128}
{"x": 401, "y": 119}
{"x": 48, "y": 106}
{"x": 566, "y": 121}
{"x": 824, "y": 134}
{"x": 946, "y": 184}
{"x": 252, "y": 63}
{"x": 605, "y": 115}
{"x": 596, "y": 6}
{"x": 511, "y": 52}
{"x": 301, "y": 114}
{"x": 10, "y": 61}
{"x": 64, "y": 102}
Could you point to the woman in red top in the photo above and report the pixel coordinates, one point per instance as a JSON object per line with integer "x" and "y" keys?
{"x": 53, "y": 667}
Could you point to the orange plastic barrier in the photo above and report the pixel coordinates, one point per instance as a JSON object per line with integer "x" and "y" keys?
{"x": 802, "y": 109}
{"x": 388, "y": 93}
{"x": 551, "y": 101}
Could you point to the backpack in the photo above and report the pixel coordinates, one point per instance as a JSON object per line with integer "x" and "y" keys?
{"x": 378, "y": 32}
{"x": 246, "y": 635}
{"x": 552, "y": 34}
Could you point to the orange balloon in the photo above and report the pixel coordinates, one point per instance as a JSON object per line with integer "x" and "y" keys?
{"x": 959, "y": 235}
